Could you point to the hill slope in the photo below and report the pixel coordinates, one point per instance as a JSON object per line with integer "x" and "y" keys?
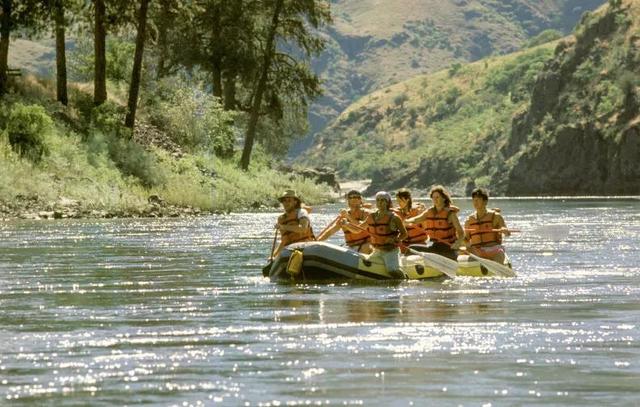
{"x": 507, "y": 122}
{"x": 374, "y": 43}
{"x": 581, "y": 131}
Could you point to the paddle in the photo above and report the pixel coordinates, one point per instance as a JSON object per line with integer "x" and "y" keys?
{"x": 440, "y": 263}
{"x": 495, "y": 267}
{"x": 333, "y": 222}
{"x": 550, "y": 231}
{"x": 266, "y": 269}
{"x": 496, "y": 230}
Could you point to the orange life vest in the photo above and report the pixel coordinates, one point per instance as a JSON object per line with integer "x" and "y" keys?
{"x": 438, "y": 226}
{"x": 294, "y": 237}
{"x": 416, "y": 232}
{"x": 481, "y": 233}
{"x": 380, "y": 230}
{"x": 356, "y": 238}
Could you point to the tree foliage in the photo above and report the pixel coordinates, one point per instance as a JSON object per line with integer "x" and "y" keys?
{"x": 26, "y": 15}
{"x": 255, "y": 55}
{"x": 286, "y": 35}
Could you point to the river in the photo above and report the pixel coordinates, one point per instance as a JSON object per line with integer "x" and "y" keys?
{"x": 176, "y": 312}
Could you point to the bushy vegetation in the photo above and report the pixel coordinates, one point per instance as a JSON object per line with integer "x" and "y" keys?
{"x": 544, "y": 37}
{"x": 193, "y": 118}
{"x": 27, "y": 128}
{"x": 84, "y": 153}
{"x": 517, "y": 76}
{"x": 119, "y": 54}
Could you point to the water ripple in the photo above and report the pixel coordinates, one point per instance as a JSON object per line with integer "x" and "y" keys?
{"x": 175, "y": 311}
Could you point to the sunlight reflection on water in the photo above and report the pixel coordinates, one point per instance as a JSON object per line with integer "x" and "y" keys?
{"x": 169, "y": 311}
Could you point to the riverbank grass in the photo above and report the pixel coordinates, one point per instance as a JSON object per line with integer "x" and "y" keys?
{"x": 49, "y": 152}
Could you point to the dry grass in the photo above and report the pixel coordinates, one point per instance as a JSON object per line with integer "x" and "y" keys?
{"x": 31, "y": 56}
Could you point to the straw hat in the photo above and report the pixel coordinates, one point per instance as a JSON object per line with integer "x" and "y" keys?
{"x": 289, "y": 193}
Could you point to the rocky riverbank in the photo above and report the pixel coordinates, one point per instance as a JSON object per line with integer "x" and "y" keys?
{"x": 35, "y": 208}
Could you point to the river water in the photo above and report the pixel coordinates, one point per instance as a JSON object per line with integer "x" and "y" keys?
{"x": 176, "y": 312}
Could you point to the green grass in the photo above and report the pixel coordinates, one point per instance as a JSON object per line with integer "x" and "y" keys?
{"x": 448, "y": 122}
{"x": 473, "y": 123}
{"x": 89, "y": 158}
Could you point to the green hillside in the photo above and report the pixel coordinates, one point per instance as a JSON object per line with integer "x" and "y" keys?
{"x": 374, "y": 44}
{"x": 504, "y": 122}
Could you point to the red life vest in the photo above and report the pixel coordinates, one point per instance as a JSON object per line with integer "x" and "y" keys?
{"x": 481, "y": 233}
{"x": 294, "y": 237}
{"x": 438, "y": 226}
{"x": 380, "y": 230}
{"x": 356, "y": 238}
{"x": 416, "y": 232}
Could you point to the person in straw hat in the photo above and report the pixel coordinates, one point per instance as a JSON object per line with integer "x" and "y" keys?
{"x": 294, "y": 224}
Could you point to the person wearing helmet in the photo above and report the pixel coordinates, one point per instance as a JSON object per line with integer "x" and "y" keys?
{"x": 387, "y": 231}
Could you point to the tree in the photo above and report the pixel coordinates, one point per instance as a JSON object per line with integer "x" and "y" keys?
{"x": 99, "y": 46}
{"x": 5, "y": 31}
{"x": 281, "y": 75}
{"x": 164, "y": 19}
{"x": 256, "y": 100}
{"x": 108, "y": 14}
{"x": 134, "y": 86}
{"x": 14, "y": 15}
{"x": 218, "y": 37}
{"x": 61, "y": 57}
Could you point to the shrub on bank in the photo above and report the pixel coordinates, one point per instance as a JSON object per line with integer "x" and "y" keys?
{"x": 26, "y": 129}
{"x": 260, "y": 186}
{"x": 194, "y": 120}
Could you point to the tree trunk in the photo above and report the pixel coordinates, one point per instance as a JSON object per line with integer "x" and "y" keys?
{"x": 61, "y": 58}
{"x": 134, "y": 87}
{"x": 5, "y": 31}
{"x": 260, "y": 88}
{"x": 162, "y": 41}
{"x": 229, "y": 89}
{"x": 217, "y": 81}
{"x": 100, "y": 38}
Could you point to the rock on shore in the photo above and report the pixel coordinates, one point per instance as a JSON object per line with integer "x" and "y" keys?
{"x": 34, "y": 208}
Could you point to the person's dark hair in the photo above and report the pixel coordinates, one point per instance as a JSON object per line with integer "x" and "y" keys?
{"x": 481, "y": 192}
{"x": 443, "y": 192}
{"x": 405, "y": 193}
{"x": 353, "y": 192}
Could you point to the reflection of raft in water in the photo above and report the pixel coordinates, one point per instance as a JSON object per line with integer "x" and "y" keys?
{"x": 318, "y": 261}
